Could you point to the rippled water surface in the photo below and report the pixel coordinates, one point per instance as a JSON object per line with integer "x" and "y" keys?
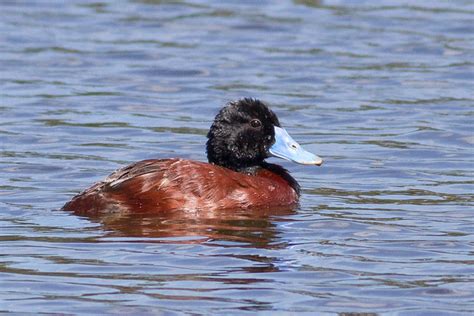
{"x": 382, "y": 90}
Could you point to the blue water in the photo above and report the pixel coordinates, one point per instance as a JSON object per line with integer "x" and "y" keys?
{"x": 382, "y": 90}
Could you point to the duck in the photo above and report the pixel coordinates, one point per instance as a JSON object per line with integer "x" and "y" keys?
{"x": 243, "y": 135}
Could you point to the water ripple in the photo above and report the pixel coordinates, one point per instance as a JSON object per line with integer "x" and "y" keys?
{"x": 382, "y": 90}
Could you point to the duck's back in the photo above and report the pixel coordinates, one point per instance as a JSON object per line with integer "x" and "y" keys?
{"x": 178, "y": 184}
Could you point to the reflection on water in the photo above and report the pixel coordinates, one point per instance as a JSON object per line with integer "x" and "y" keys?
{"x": 382, "y": 89}
{"x": 254, "y": 227}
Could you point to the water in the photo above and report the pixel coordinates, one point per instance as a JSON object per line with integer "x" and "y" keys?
{"x": 383, "y": 91}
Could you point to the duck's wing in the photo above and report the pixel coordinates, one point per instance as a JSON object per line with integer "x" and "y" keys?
{"x": 111, "y": 193}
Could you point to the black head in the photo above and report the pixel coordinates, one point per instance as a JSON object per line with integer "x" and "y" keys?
{"x": 241, "y": 135}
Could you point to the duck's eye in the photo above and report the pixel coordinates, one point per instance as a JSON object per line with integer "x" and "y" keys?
{"x": 255, "y": 123}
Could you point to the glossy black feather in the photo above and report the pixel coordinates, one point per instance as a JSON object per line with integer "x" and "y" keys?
{"x": 233, "y": 141}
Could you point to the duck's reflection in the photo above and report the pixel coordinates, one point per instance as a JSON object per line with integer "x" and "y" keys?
{"x": 255, "y": 227}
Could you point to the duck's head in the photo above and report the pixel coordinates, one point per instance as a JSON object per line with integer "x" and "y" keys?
{"x": 245, "y": 132}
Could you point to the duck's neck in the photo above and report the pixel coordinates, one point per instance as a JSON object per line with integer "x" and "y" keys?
{"x": 251, "y": 170}
{"x": 233, "y": 162}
